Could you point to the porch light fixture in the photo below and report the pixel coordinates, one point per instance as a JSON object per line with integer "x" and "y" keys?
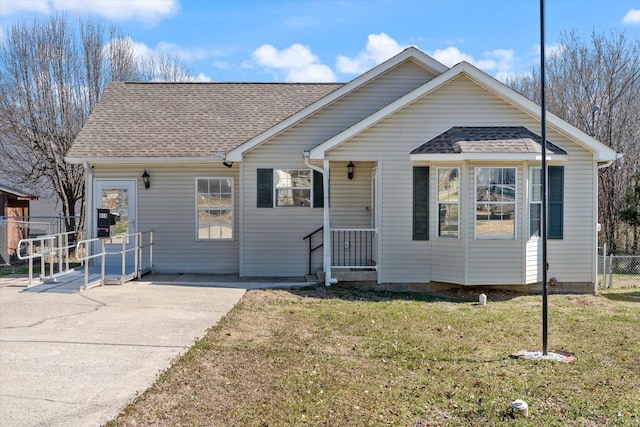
{"x": 350, "y": 168}
{"x": 145, "y": 179}
{"x": 227, "y": 164}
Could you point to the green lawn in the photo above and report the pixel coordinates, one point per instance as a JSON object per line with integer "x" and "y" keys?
{"x": 341, "y": 357}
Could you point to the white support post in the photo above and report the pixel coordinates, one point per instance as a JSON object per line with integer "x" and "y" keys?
{"x": 30, "y": 262}
{"x": 327, "y": 226}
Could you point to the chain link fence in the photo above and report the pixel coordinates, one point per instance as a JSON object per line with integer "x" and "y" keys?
{"x": 618, "y": 270}
{"x": 14, "y": 229}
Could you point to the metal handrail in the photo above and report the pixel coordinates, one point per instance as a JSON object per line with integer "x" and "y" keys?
{"x": 137, "y": 248}
{"x": 87, "y": 257}
{"x": 311, "y": 250}
{"x": 50, "y": 244}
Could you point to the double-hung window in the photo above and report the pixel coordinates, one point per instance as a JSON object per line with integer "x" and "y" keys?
{"x": 535, "y": 202}
{"x": 496, "y": 201}
{"x": 448, "y": 202}
{"x": 214, "y": 208}
{"x": 292, "y": 187}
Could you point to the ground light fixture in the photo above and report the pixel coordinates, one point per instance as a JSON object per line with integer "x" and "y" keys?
{"x": 145, "y": 179}
{"x": 350, "y": 168}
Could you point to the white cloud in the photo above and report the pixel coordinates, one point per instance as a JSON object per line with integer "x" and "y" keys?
{"x": 186, "y": 55}
{"x": 498, "y": 62}
{"x": 202, "y": 78}
{"x": 10, "y": 7}
{"x": 550, "y": 50}
{"x": 380, "y": 47}
{"x": 141, "y": 50}
{"x": 632, "y": 17}
{"x": 450, "y": 56}
{"x": 297, "y": 62}
{"x": 147, "y": 11}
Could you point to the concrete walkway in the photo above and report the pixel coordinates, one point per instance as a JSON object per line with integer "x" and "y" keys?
{"x": 77, "y": 359}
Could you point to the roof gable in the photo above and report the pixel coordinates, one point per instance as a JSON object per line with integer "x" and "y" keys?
{"x": 601, "y": 151}
{"x": 411, "y": 53}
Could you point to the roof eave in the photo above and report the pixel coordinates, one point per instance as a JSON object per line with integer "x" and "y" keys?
{"x": 143, "y": 160}
{"x": 601, "y": 152}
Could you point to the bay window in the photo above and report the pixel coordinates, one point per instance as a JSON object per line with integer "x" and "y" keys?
{"x": 448, "y": 202}
{"x": 496, "y": 200}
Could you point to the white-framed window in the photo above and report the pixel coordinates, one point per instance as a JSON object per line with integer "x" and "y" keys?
{"x": 535, "y": 202}
{"x": 448, "y": 200}
{"x": 214, "y": 208}
{"x": 496, "y": 201}
{"x": 292, "y": 187}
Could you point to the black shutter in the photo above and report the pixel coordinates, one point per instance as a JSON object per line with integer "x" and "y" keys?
{"x": 421, "y": 203}
{"x": 556, "y": 202}
{"x": 265, "y": 188}
{"x": 318, "y": 190}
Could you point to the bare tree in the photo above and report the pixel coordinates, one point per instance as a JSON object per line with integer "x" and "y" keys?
{"x": 165, "y": 68}
{"x": 52, "y": 75}
{"x": 595, "y": 85}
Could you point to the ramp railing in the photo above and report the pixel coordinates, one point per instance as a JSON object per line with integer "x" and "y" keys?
{"x": 84, "y": 248}
{"x": 142, "y": 240}
{"x": 51, "y": 247}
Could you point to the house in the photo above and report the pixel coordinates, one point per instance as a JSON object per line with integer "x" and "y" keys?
{"x": 412, "y": 174}
{"x": 13, "y": 203}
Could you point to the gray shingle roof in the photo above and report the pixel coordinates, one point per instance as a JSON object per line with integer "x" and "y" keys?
{"x": 492, "y": 139}
{"x": 17, "y": 193}
{"x": 188, "y": 119}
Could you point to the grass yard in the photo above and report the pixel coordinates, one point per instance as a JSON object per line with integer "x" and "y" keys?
{"x": 339, "y": 357}
{"x": 624, "y": 280}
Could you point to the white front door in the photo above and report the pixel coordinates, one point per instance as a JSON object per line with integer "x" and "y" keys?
{"x": 120, "y": 197}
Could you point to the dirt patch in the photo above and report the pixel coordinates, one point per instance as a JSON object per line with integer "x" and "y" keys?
{"x": 589, "y": 300}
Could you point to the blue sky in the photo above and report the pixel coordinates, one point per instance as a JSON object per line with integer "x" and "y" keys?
{"x": 336, "y": 40}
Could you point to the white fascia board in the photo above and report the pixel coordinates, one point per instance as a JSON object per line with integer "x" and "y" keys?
{"x": 318, "y": 152}
{"x": 601, "y": 151}
{"x": 142, "y": 160}
{"x": 423, "y": 59}
{"x": 494, "y": 157}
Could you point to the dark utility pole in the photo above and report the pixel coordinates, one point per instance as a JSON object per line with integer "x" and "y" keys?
{"x": 543, "y": 181}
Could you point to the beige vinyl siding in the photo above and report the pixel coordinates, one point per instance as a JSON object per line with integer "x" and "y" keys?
{"x": 272, "y": 237}
{"x": 349, "y": 200}
{"x": 534, "y": 261}
{"x": 461, "y": 102}
{"x": 168, "y": 208}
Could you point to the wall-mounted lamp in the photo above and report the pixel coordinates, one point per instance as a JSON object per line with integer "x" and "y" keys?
{"x": 350, "y": 168}
{"x": 145, "y": 179}
{"x": 227, "y": 164}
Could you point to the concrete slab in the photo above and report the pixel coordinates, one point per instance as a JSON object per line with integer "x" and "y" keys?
{"x": 77, "y": 359}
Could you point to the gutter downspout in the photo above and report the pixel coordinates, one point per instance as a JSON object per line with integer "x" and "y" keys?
{"x": 88, "y": 190}
{"x": 326, "y": 235}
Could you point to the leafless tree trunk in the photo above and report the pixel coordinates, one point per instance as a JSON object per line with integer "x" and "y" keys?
{"x": 164, "y": 68}
{"x": 595, "y": 86}
{"x": 52, "y": 75}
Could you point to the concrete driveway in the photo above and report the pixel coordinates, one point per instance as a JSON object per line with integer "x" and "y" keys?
{"x": 78, "y": 359}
